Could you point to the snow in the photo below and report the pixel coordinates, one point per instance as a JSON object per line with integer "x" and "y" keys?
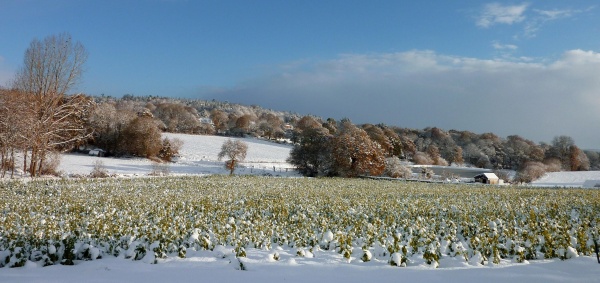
{"x": 566, "y": 179}
{"x": 198, "y": 156}
{"x": 325, "y": 266}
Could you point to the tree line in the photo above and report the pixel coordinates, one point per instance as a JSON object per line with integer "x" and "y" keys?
{"x": 330, "y": 148}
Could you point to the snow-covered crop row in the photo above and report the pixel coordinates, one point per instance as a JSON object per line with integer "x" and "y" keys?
{"x": 65, "y": 221}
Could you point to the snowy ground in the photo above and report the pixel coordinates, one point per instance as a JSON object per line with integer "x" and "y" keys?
{"x": 567, "y": 179}
{"x": 328, "y": 266}
{"x": 198, "y": 157}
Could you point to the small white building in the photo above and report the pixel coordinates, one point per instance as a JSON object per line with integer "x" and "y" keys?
{"x": 97, "y": 152}
{"x": 487, "y": 178}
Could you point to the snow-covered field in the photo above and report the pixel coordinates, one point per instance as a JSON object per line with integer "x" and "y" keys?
{"x": 207, "y": 267}
{"x": 198, "y": 157}
{"x": 568, "y": 179}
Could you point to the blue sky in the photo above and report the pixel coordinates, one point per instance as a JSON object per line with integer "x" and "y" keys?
{"x": 510, "y": 67}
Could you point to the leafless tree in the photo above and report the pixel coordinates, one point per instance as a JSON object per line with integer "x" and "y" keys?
{"x": 11, "y": 126}
{"x": 51, "y": 68}
{"x": 235, "y": 151}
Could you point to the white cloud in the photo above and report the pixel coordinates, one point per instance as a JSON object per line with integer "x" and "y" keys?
{"x": 422, "y": 88}
{"x": 499, "y": 46}
{"x": 495, "y": 13}
{"x": 542, "y": 17}
{"x": 556, "y": 14}
{"x": 532, "y": 19}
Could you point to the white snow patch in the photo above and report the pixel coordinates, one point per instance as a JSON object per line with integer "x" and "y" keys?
{"x": 566, "y": 179}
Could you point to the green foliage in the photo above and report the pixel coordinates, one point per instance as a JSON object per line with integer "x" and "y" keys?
{"x": 181, "y": 252}
{"x": 140, "y": 252}
{"x": 72, "y": 220}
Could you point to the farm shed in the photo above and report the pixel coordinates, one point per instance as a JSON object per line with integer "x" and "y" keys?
{"x": 97, "y": 152}
{"x": 487, "y": 178}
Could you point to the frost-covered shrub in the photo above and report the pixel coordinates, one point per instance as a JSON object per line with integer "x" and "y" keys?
{"x": 394, "y": 169}
{"x": 50, "y": 164}
{"x": 531, "y": 172}
{"x": 99, "y": 170}
{"x": 170, "y": 149}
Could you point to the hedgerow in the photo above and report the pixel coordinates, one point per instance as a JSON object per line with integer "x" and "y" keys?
{"x": 66, "y": 221}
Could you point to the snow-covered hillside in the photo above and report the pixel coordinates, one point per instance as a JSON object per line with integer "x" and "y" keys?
{"x": 198, "y": 157}
{"x": 568, "y": 179}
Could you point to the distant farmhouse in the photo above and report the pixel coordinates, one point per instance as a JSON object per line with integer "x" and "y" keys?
{"x": 487, "y": 178}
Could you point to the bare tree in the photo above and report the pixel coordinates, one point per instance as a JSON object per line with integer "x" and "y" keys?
{"x": 51, "y": 68}
{"x": 235, "y": 150}
{"x": 11, "y": 125}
